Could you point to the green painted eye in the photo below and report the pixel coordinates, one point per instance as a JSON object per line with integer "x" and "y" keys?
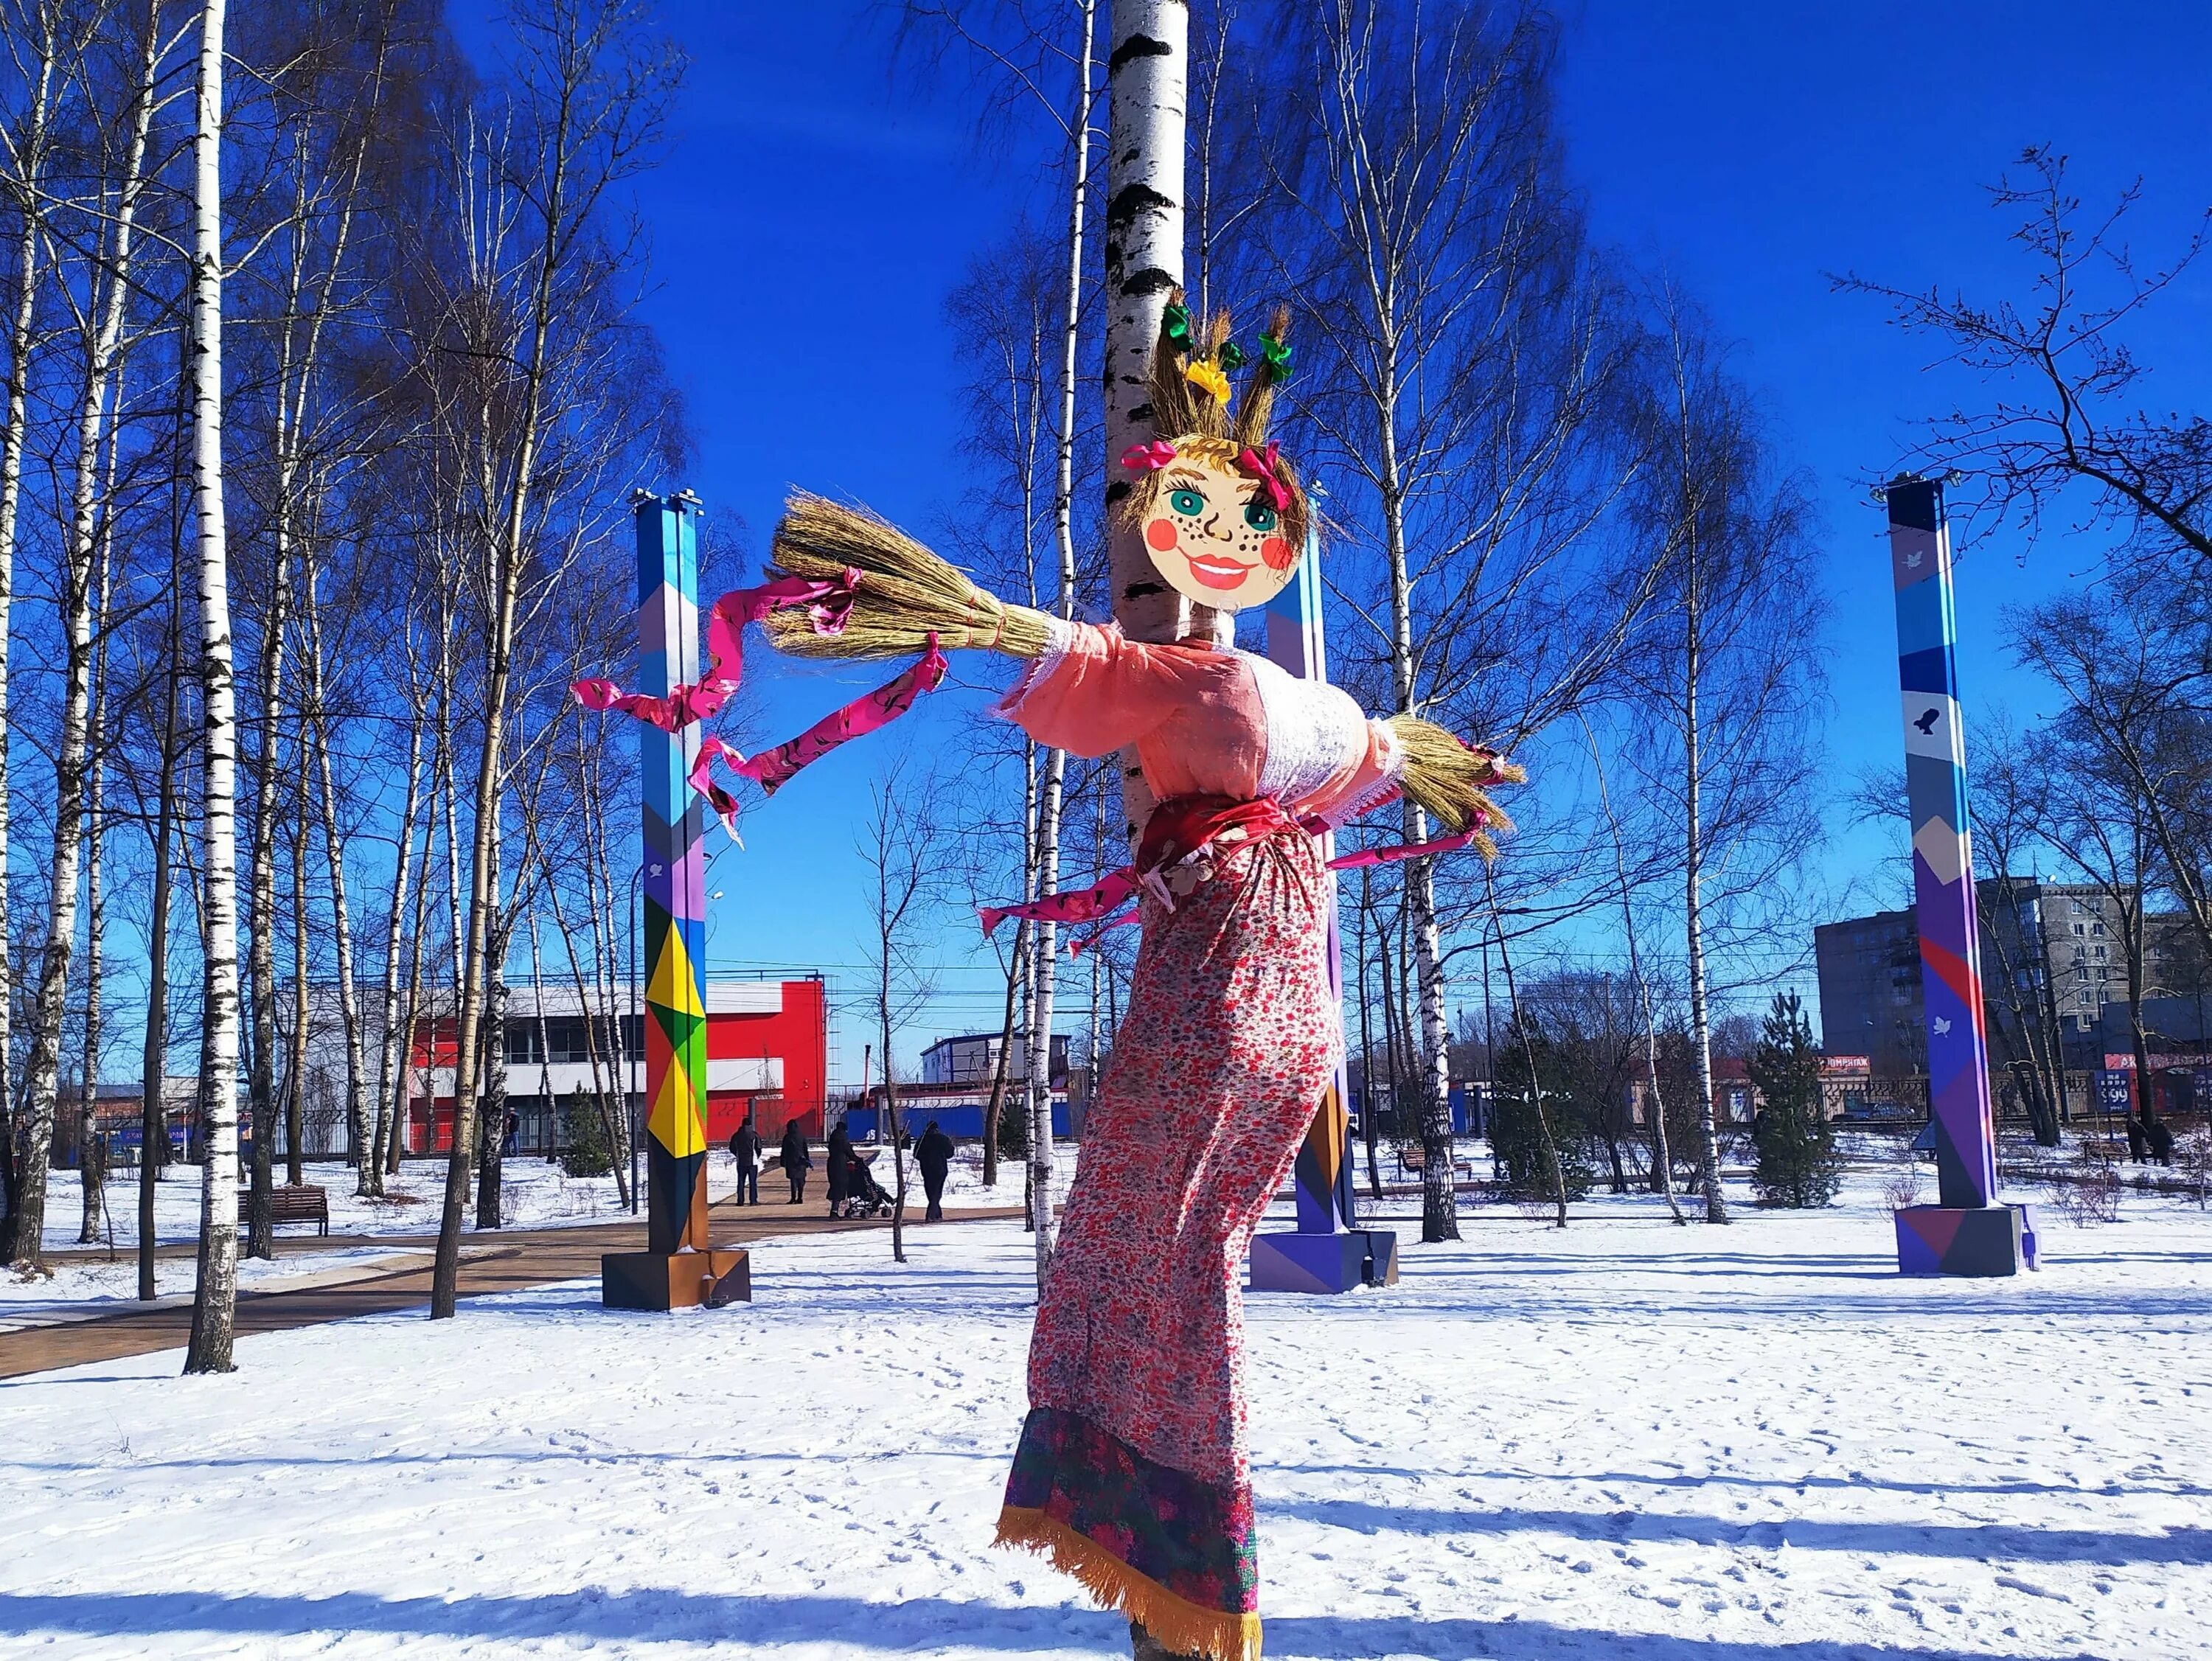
{"x": 1259, "y": 515}
{"x": 1188, "y": 502}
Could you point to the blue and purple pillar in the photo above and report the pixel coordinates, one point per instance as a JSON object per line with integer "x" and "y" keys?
{"x": 1968, "y": 1231}
{"x": 1327, "y": 1252}
{"x": 678, "y": 1267}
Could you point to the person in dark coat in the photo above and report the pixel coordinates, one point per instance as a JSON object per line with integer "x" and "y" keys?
{"x": 795, "y": 1159}
{"x": 746, "y": 1149}
{"x": 2159, "y": 1137}
{"x": 934, "y": 1155}
{"x": 2137, "y": 1141}
{"x": 841, "y": 1169}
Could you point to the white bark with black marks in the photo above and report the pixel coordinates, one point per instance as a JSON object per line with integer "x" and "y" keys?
{"x": 215, "y": 1303}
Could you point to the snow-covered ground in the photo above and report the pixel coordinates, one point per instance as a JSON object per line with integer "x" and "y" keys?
{"x": 1622, "y": 1440}
{"x": 538, "y": 1195}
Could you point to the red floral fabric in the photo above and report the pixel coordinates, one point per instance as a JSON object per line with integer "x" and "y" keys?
{"x": 1231, "y": 1038}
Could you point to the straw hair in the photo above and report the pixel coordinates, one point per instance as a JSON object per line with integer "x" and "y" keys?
{"x": 1445, "y": 779}
{"x": 1258, "y": 406}
{"x": 1203, "y": 429}
{"x": 905, "y": 593}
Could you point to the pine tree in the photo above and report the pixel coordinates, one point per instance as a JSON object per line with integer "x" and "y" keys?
{"x": 1522, "y": 1153}
{"x": 1799, "y": 1166}
{"x": 583, "y": 1138}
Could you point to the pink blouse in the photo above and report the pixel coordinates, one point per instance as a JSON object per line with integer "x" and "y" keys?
{"x": 1205, "y": 722}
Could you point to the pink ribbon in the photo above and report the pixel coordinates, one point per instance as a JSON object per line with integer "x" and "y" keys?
{"x": 1262, "y": 468}
{"x": 1108, "y": 897}
{"x": 773, "y": 769}
{"x": 830, "y": 605}
{"x": 1148, "y": 457}
{"x": 1082, "y": 943}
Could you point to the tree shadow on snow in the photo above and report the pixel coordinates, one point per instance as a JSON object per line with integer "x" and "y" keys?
{"x": 1292, "y": 1470}
{"x": 1978, "y": 1542}
{"x": 662, "y": 1614}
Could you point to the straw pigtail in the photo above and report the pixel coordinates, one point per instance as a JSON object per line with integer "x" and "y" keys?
{"x": 1272, "y": 369}
{"x": 1174, "y": 400}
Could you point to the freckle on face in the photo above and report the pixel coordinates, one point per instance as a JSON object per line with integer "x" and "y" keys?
{"x": 1161, "y": 534}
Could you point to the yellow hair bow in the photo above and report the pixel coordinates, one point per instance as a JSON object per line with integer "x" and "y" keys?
{"x": 1204, "y": 374}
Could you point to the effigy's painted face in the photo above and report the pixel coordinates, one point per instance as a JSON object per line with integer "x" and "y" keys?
{"x": 1214, "y": 536}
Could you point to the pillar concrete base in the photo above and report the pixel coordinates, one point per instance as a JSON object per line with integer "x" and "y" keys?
{"x": 1978, "y": 1240}
{"x": 675, "y": 1280}
{"x": 1324, "y": 1263}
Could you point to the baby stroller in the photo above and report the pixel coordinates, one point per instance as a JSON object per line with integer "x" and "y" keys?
{"x": 864, "y": 1196}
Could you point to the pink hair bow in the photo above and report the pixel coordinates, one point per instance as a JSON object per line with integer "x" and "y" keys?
{"x": 1148, "y": 457}
{"x": 1262, "y": 468}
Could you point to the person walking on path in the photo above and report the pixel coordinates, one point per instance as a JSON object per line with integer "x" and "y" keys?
{"x": 746, "y": 1149}
{"x": 841, "y": 1169}
{"x": 795, "y": 1159}
{"x": 934, "y": 1155}
{"x": 2160, "y": 1140}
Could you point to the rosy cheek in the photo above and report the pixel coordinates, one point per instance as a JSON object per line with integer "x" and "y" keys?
{"x": 1276, "y": 551}
{"x": 1161, "y": 534}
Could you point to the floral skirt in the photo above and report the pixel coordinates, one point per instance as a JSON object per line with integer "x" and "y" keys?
{"x": 1132, "y": 1471}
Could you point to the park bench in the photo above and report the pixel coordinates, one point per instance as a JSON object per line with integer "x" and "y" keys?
{"x": 306, "y": 1204}
{"x": 1413, "y": 1160}
{"x": 2096, "y": 1148}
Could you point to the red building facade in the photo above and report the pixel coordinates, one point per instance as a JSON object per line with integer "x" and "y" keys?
{"x": 768, "y": 1054}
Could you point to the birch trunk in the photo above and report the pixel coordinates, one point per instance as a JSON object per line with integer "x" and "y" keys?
{"x": 412, "y": 1025}
{"x": 1147, "y": 72}
{"x": 1016, "y": 969}
{"x": 31, "y": 153}
{"x": 492, "y": 1066}
{"x": 358, "y": 1142}
{"x": 215, "y": 1303}
{"x": 295, "y": 1092}
{"x": 108, "y": 287}
{"x": 153, "y": 1070}
{"x": 92, "y": 1172}
{"x": 1663, "y": 1158}
{"x": 544, "y": 1045}
{"x": 1432, "y": 1042}
{"x": 1045, "y": 959}
{"x": 1701, "y": 1031}
{"x": 388, "y": 1060}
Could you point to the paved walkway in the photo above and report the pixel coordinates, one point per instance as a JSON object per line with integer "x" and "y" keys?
{"x": 493, "y": 1262}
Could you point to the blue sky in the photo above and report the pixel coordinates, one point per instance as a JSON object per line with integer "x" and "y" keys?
{"x": 814, "y": 211}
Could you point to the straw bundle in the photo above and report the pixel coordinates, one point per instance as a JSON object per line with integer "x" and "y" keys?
{"x": 906, "y": 592}
{"x": 1445, "y": 779}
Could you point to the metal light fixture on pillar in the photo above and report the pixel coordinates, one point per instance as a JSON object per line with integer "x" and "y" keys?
{"x": 679, "y": 1267}
{"x": 1968, "y": 1231}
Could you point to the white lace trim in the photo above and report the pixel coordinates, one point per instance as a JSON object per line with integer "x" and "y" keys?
{"x": 1059, "y": 635}
{"x": 1394, "y": 768}
{"x": 1314, "y": 731}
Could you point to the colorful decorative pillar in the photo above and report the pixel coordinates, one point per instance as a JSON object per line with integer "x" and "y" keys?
{"x": 678, "y": 1267}
{"x": 1967, "y": 1231}
{"x": 1327, "y": 1253}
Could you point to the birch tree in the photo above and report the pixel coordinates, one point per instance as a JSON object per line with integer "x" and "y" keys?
{"x": 1467, "y": 354}
{"x": 591, "y": 98}
{"x": 98, "y": 314}
{"x": 215, "y": 1302}
{"x": 1724, "y": 664}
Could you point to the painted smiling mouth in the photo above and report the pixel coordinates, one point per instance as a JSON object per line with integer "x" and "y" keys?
{"x": 1216, "y": 572}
